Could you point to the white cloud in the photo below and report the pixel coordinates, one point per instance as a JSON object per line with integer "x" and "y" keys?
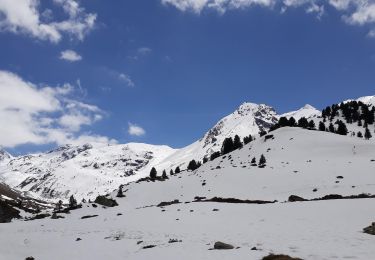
{"x": 126, "y": 78}
{"x": 27, "y": 17}
{"x": 42, "y": 115}
{"x": 354, "y": 12}
{"x": 144, "y": 50}
{"x": 70, "y": 55}
{"x": 135, "y": 130}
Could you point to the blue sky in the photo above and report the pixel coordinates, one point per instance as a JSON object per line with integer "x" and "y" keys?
{"x": 173, "y": 68}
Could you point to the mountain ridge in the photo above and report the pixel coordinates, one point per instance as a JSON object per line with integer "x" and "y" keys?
{"x": 91, "y": 169}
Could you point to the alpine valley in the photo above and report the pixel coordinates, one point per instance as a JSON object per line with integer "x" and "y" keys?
{"x": 259, "y": 183}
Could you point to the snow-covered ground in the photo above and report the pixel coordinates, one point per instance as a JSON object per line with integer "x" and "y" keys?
{"x": 299, "y": 162}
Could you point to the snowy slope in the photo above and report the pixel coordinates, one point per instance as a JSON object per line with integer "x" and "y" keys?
{"x": 248, "y": 119}
{"x": 368, "y": 100}
{"x": 307, "y": 111}
{"x": 298, "y": 162}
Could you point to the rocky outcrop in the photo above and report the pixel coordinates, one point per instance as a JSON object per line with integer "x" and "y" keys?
{"x": 221, "y": 245}
{"x": 104, "y": 201}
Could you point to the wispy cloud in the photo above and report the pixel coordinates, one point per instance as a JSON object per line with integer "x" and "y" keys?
{"x": 70, "y": 55}
{"x": 135, "y": 130}
{"x": 144, "y": 50}
{"x": 126, "y": 78}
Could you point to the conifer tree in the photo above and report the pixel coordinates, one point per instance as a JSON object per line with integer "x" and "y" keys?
{"x": 164, "y": 175}
{"x": 214, "y": 156}
{"x": 322, "y": 126}
{"x": 341, "y": 129}
{"x": 153, "y": 173}
{"x": 192, "y": 165}
{"x": 367, "y": 134}
{"x": 359, "y": 134}
{"x": 247, "y": 139}
{"x": 120, "y": 193}
{"x": 331, "y": 128}
{"x": 171, "y": 172}
{"x": 302, "y": 122}
{"x": 253, "y": 161}
{"x": 262, "y": 161}
{"x": 311, "y": 124}
{"x": 283, "y": 121}
{"x": 72, "y": 202}
{"x": 177, "y": 170}
{"x": 292, "y": 122}
{"x": 59, "y": 205}
{"x": 237, "y": 144}
{"x": 228, "y": 146}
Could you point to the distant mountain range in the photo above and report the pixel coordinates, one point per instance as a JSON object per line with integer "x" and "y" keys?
{"x": 92, "y": 169}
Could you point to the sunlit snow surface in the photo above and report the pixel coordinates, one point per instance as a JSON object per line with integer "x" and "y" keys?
{"x": 298, "y": 161}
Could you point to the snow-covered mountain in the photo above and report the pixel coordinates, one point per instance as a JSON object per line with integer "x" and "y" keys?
{"x": 248, "y": 119}
{"x": 85, "y": 171}
{"x": 92, "y": 169}
{"x": 4, "y": 156}
{"x": 223, "y": 201}
{"x": 307, "y": 111}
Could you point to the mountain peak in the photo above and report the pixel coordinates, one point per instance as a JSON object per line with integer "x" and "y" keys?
{"x": 4, "y": 155}
{"x": 306, "y": 111}
{"x": 308, "y": 106}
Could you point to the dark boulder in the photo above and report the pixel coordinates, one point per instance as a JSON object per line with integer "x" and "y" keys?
{"x": 279, "y": 257}
{"x": 221, "y": 245}
{"x": 102, "y": 200}
{"x": 370, "y": 229}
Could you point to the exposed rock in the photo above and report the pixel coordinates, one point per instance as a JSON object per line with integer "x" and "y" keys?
{"x": 370, "y": 229}
{"x": 168, "y": 203}
{"x": 55, "y": 216}
{"x": 102, "y": 200}
{"x": 7, "y": 212}
{"x": 294, "y": 198}
{"x": 279, "y": 257}
{"x": 89, "y": 216}
{"x": 234, "y": 200}
{"x": 149, "y": 246}
{"x": 40, "y": 216}
{"x": 222, "y": 245}
{"x": 173, "y": 240}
